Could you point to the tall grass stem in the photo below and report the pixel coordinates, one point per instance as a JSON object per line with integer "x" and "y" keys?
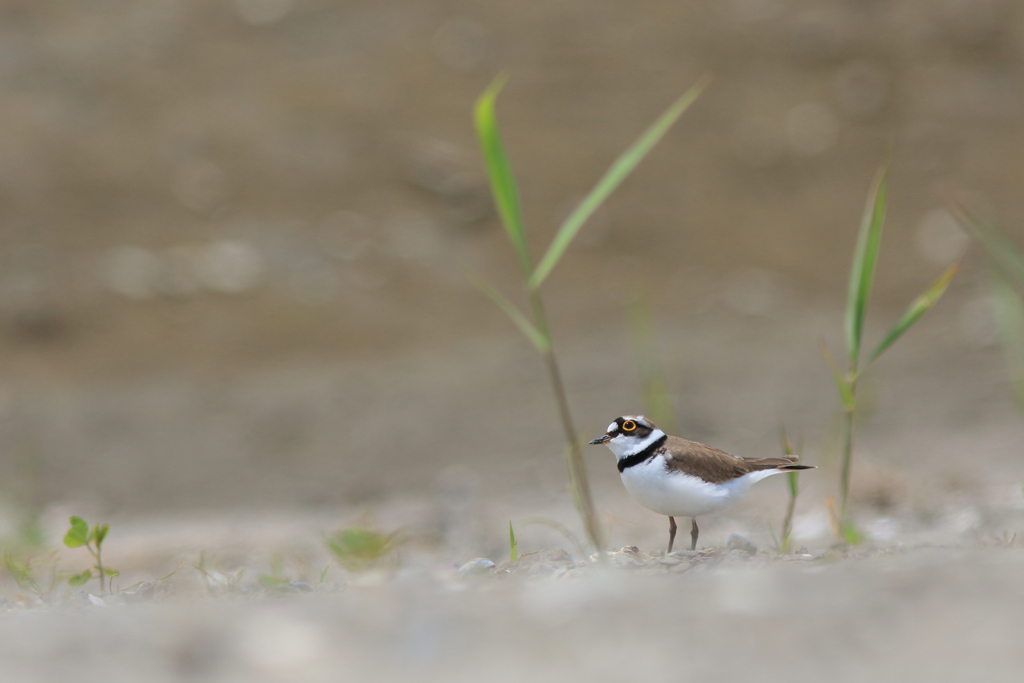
{"x": 535, "y": 326}
{"x": 862, "y": 270}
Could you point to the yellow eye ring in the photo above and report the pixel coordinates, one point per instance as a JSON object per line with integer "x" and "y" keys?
{"x": 628, "y": 426}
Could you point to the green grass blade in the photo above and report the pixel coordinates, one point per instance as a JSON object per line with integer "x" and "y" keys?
{"x": 1009, "y": 314}
{"x": 536, "y": 337}
{"x": 863, "y": 269}
{"x": 842, "y": 385}
{"x": 917, "y": 308}
{"x": 792, "y": 483}
{"x": 499, "y": 171}
{"x": 513, "y": 553}
{"x": 615, "y": 174}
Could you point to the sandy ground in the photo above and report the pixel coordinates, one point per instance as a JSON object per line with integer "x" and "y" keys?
{"x": 932, "y": 594}
{"x": 924, "y": 613}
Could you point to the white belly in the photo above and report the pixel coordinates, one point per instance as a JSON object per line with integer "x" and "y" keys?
{"x": 681, "y": 495}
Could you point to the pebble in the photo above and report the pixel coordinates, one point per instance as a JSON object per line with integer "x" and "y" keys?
{"x": 737, "y": 542}
{"x": 480, "y": 565}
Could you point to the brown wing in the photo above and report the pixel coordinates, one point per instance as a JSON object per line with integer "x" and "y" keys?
{"x": 700, "y": 460}
{"x": 712, "y": 465}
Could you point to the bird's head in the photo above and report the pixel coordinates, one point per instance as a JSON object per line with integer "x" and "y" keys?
{"x": 629, "y": 434}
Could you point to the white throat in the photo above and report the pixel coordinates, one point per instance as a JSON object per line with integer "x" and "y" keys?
{"x": 624, "y": 445}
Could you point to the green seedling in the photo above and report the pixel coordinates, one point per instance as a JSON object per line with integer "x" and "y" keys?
{"x": 34, "y": 574}
{"x": 276, "y": 579}
{"x": 79, "y": 535}
{"x": 862, "y": 273}
{"x": 535, "y": 324}
{"x": 360, "y": 549}
{"x": 513, "y": 554}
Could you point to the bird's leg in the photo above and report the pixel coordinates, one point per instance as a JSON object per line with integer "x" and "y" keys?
{"x": 671, "y": 532}
{"x": 693, "y": 534}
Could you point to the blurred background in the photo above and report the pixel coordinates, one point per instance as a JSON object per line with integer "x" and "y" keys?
{"x": 236, "y": 236}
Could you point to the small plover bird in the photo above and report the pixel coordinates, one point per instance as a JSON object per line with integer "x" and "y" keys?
{"x": 680, "y": 478}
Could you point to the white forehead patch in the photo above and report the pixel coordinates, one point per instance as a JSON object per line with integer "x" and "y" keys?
{"x": 612, "y": 427}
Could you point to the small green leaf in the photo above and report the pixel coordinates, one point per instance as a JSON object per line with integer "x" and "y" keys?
{"x": 77, "y": 534}
{"x": 851, "y": 534}
{"x": 110, "y": 571}
{"x": 614, "y": 176}
{"x": 513, "y": 555}
{"x": 80, "y": 579}
{"x": 499, "y": 171}
{"x": 862, "y": 270}
{"x": 842, "y": 384}
{"x": 536, "y": 337}
{"x": 100, "y": 533}
{"x": 917, "y": 308}
{"x": 360, "y": 548}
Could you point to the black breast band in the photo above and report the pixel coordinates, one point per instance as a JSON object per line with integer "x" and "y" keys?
{"x": 642, "y": 456}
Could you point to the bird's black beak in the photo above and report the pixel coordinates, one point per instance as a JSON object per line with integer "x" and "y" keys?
{"x": 600, "y": 440}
